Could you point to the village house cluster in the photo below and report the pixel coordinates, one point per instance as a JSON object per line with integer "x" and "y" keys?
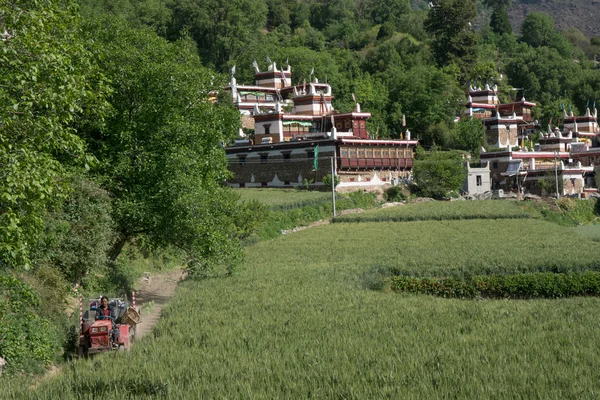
{"x": 298, "y": 138}
{"x": 565, "y": 158}
{"x": 298, "y": 135}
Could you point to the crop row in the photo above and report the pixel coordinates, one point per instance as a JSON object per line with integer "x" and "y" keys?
{"x": 438, "y": 211}
{"x": 522, "y": 286}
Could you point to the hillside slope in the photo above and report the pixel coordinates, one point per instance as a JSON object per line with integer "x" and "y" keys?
{"x": 583, "y": 15}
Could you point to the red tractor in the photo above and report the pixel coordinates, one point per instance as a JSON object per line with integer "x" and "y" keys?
{"x": 106, "y": 333}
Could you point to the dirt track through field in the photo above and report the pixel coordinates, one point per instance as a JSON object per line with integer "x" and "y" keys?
{"x": 153, "y": 292}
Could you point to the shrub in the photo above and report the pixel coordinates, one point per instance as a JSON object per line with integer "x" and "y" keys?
{"x": 77, "y": 235}
{"x": 438, "y": 174}
{"x": 327, "y": 180}
{"x": 394, "y": 194}
{"x": 27, "y": 341}
{"x": 529, "y": 285}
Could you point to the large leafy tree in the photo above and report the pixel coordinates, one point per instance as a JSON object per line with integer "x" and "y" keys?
{"x": 449, "y": 22}
{"x": 438, "y": 173}
{"x": 161, "y": 150}
{"x": 47, "y": 86}
{"x": 538, "y": 30}
{"x": 427, "y": 96}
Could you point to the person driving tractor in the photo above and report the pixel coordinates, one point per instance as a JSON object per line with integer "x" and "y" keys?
{"x": 105, "y": 311}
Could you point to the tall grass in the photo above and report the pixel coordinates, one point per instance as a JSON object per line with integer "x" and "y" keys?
{"x": 283, "y": 199}
{"x": 296, "y": 324}
{"x": 591, "y": 232}
{"x": 441, "y": 211}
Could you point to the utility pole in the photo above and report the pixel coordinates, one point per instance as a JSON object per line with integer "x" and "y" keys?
{"x": 556, "y": 173}
{"x": 333, "y": 184}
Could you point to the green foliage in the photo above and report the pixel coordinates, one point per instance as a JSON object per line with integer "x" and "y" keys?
{"x": 468, "y": 134}
{"x": 534, "y": 285}
{"x": 222, "y": 30}
{"x": 453, "y": 39}
{"x": 27, "y": 341}
{"x": 395, "y": 193}
{"x": 160, "y": 151}
{"x": 538, "y": 30}
{"x": 327, "y": 180}
{"x": 138, "y": 13}
{"x": 79, "y": 234}
{"x": 427, "y": 96}
{"x": 499, "y": 22}
{"x": 438, "y": 174}
{"x": 47, "y": 87}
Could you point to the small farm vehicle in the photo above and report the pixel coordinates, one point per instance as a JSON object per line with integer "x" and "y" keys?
{"x": 98, "y": 334}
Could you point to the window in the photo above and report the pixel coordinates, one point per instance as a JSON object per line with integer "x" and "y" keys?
{"x": 267, "y": 129}
{"x": 263, "y": 158}
{"x": 478, "y": 178}
{"x": 369, "y": 153}
{"x": 310, "y": 154}
{"x": 242, "y": 160}
{"x": 495, "y": 165}
{"x": 242, "y": 185}
{"x": 361, "y": 153}
{"x": 344, "y": 152}
{"x": 264, "y": 184}
{"x": 286, "y": 156}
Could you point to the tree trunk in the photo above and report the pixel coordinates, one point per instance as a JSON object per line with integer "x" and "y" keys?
{"x": 117, "y": 247}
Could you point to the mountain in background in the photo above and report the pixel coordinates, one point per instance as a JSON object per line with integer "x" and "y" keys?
{"x": 583, "y": 15}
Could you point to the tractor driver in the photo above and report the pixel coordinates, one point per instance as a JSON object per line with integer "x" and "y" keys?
{"x": 105, "y": 312}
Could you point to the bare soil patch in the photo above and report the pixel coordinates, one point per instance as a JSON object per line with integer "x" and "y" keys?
{"x": 158, "y": 290}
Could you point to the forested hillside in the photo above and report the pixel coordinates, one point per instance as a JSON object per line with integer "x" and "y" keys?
{"x": 109, "y": 139}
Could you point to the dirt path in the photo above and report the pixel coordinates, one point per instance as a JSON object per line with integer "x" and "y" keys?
{"x": 327, "y": 221}
{"x": 152, "y": 293}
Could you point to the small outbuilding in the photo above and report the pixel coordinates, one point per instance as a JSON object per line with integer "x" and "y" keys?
{"x": 477, "y": 182}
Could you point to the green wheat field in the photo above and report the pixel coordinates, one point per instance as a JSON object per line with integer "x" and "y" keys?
{"x": 297, "y": 322}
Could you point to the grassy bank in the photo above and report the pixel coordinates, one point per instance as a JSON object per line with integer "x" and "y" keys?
{"x": 292, "y": 208}
{"x": 442, "y": 211}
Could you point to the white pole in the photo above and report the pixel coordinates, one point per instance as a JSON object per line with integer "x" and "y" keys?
{"x": 333, "y": 184}
{"x": 556, "y": 174}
